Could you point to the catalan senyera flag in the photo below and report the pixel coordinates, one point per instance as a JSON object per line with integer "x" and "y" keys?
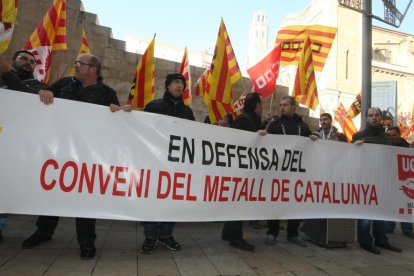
{"x": 305, "y": 90}
{"x": 405, "y": 131}
{"x": 8, "y": 14}
{"x": 239, "y": 105}
{"x": 84, "y": 48}
{"x": 265, "y": 73}
{"x": 201, "y": 84}
{"x": 224, "y": 68}
{"x": 346, "y": 122}
{"x": 217, "y": 109}
{"x": 49, "y": 35}
{"x": 184, "y": 70}
{"x": 291, "y": 38}
{"x": 142, "y": 89}
{"x": 356, "y": 106}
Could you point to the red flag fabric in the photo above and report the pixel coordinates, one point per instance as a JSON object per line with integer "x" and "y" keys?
{"x": 184, "y": 70}
{"x": 265, "y": 73}
{"x": 201, "y": 84}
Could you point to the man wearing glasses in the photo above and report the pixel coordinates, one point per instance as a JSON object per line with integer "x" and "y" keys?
{"x": 19, "y": 76}
{"x": 86, "y": 86}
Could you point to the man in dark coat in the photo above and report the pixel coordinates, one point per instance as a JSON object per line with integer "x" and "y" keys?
{"x": 249, "y": 120}
{"x": 86, "y": 86}
{"x": 171, "y": 104}
{"x": 289, "y": 123}
{"x": 373, "y": 133}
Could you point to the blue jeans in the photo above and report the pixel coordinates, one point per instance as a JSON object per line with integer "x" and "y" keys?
{"x": 406, "y": 227}
{"x": 379, "y": 229}
{"x": 3, "y": 221}
{"x": 162, "y": 230}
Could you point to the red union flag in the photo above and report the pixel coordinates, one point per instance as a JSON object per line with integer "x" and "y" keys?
{"x": 405, "y": 167}
{"x": 264, "y": 74}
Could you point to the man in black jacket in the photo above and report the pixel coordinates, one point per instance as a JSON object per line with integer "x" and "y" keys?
{"x": 19, "y": 76}
{"x": 373, "y": 133}
{"x": 86, "y": 86}
{"x": 289, "y": 123}
{"x": 249, "y": 120}
{"x": 171, "y": 104}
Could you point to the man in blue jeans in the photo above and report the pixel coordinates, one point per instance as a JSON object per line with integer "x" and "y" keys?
{"x": 373, "y": 133}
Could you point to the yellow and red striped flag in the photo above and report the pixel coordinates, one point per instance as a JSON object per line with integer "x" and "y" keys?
{"x": 239, "y": 105}
{"x": 305, "y": 90}
{"x": 201, "y": 84}
{"x": 49, "y": 35}
{"x": 216, "y": 109}
{"x": 224, "y": 68}
{"x": 291, "y": 38}
{"x": 84, "y": 48}
{"x": 346, "y": 122}
{"x": 405, "y": 131}
{"x": 184, "y": 70}
{"x": 142, "y": 89}
{"x": 356, "y": 106}
{"x": 8, "y": 14}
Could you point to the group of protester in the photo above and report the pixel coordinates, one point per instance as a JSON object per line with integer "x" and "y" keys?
{"x": 87, "y": 86}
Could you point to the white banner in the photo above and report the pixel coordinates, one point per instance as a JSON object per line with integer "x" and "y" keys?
{"x": 81, "y": 160}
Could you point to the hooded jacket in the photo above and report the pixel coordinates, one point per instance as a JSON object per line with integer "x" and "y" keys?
{"x": 286, "y": 125}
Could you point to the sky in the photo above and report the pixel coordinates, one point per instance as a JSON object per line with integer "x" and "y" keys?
{"x": 195, "y": 23}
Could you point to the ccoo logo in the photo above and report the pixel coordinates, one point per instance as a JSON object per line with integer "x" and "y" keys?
{"x": 406, "y": 171}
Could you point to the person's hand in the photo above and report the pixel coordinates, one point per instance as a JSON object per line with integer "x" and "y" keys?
{"x": 359, "y": 142}
{"x": 127, "y": 108}
{"x": 114, "y": 107}
{"x": 46, "y": 96}
{"x": 4, "y": 65}
{"x": 262, "y": 132}
{"x": 314, "y": 137}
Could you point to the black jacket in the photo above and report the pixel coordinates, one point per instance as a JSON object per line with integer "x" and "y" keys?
{"x": 289, "y": 126}
{"x": 171, "y": 106}
{"x": 72, "y": 89}
{"x": 372, "y": 135}
{"x": 249, "y": 121}
{"x": 21, "y": 82}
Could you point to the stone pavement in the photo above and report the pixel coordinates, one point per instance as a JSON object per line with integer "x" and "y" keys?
{"x": 203, "y": 253}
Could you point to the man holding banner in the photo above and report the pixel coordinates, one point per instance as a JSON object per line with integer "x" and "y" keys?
{"x": 86, "y": 86}
{"x": 249, "y": 120}
{"x": 374, "y": 133}
{"x": 289, "y": 123}
{"x": 171, "y": 104}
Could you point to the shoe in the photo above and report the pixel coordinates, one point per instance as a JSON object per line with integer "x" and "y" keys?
{"x": 34, "y": 240}
{"x": 270, "y": 239}
{"x": 409, "y": 234}
{"x": 297, "y": 241}
{"x": 370, "y": 248}
{"x": 170, "y": 243}
{"x": 242, "y": 244}
{"x": 1, "y": 236}
{"x": 148, "y": 246}
{"x": 88, "y": 251}
{"x": 388, "y": 246}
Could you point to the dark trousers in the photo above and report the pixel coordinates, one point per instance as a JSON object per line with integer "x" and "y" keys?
{"x": 292, "y": 227}
{"x": 161, "y": 230}
{"x": 85, "y": 228}
{"x": 370, "y": 231}
{"x": 232, "y": 230}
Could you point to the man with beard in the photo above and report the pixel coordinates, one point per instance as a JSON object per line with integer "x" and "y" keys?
{"x": 19, "y": 76}
{"x": 327, "y": 131}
